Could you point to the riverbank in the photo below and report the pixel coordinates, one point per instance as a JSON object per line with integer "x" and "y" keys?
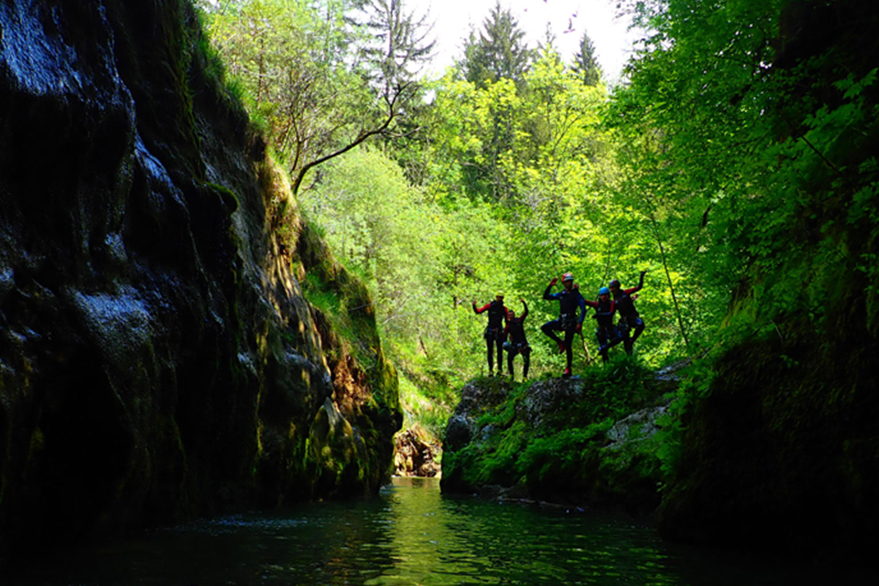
{"x": 779, "y": 463}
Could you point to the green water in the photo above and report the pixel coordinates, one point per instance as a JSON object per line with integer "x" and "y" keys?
{"x": 411, "y": 535}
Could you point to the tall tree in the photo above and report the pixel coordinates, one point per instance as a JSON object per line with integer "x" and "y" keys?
{"x": 498, "y": 51}
{"x": 398, "y": 42}
{"x": 294, "y": 60}
{"x": 586, "y": 63}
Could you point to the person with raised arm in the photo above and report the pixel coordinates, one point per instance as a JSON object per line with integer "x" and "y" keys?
{"x": 516, "y": 342}
{"x": 630, "y": 324}
{"x": 569, "y": 299}
{"x": 606, "y": 332}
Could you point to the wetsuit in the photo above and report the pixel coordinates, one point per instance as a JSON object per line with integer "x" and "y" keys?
{"x": 494, "y": 333}
{"x": 567, "y": 322}
{"x": 606, "y": 333}
{"x": 630, "y": 324}
{"x": 517, "y": 343}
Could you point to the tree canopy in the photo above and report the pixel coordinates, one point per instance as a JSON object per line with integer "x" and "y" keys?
{"x": 735, "y": 162}
{"x": 497, "y": 51}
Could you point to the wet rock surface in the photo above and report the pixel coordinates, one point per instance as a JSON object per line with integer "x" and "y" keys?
{"x": 158, "y": 358}
{"x": 415, "y": 454}
{"x": 549, "y": 442}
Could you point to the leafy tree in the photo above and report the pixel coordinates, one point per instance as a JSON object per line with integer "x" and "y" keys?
{"x": 398, "y": 42}
{"x": 558, "y": 206}
{"x": 423, "y": 263}
{"x": 473, "y": 130}
{"x": 738, "y": 137}
{"x": 293, "y": 57}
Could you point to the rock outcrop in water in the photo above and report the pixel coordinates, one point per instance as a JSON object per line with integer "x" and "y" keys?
{"x": 416, "y": 453}
{"x": 158, "y": 356}
{"x": 579, "y": 441}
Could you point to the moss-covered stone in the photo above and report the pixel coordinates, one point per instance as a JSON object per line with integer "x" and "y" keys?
{"x": 782, "y": 449}
{"x": 158, "y": 357}
{"x": 562, "y": 440}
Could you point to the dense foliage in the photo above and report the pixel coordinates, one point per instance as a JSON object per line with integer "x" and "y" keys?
{"x": 736, "y": 164}
{"x": 495, "y": 184}
{"x": 763, "y": 118}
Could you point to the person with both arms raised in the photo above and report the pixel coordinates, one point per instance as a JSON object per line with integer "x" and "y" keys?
{"x": 630, "y": 320}
{"x": 494, "y": 333}
{"x": 517, "y": 344}
{"x": 569, "y": 300}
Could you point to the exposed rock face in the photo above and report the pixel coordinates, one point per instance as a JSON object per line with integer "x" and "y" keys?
{"x": 556, "y": 441}
{"x": 415, "y": 454}
{"x": 158, "y": 358}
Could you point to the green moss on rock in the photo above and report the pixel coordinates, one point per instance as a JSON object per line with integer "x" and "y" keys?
{"x": 565, "y": 440}
{"x": 781, "y": 449}
{"x": 159, "y": 358}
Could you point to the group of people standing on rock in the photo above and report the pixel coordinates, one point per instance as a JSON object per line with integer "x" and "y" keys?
{"x": 505, "y": 331}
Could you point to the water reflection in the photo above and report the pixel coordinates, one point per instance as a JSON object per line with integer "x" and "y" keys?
{"x": 411, "y": 535}
{"x": 455, "y": 541}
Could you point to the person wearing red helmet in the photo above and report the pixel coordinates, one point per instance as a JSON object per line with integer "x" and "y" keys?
{"x": 516, "y": 343}
{"x": 630, "y": 325}
{"x": 569, "y": 300}
{"x": 494, "y": 333}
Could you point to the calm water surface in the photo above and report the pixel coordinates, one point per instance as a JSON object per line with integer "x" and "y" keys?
{"x": 412, "y": 535}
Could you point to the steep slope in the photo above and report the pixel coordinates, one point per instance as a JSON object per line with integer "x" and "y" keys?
{"x": 158, "y": 356}
{"x": 779, "y": 444}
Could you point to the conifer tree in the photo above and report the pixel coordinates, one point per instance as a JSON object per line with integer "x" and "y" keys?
{"x": 585, "y": 62}
{"x": 498, "y": 51}
{"x": 398, "y": 42}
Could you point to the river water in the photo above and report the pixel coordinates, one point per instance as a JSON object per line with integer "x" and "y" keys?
{"x": 412, "y": 535}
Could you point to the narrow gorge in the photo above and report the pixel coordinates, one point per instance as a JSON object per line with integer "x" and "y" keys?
{"x": 159, "y": 357}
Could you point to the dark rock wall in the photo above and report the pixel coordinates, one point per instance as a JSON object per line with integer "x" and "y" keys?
{"x": 782, "y": 453}
{"x": 158, "y": 359}
{"x": 780, "y": 447}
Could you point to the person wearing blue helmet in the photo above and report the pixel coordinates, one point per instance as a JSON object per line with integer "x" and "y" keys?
{"x": 630, "y": 324}
{"x": 606, "y": 332}
{"x": 569, "y": 299}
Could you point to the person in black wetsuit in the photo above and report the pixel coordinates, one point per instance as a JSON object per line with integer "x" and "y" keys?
{"x": 516, "y": 342}
{"x": 569, "y": 300}
{"x": 605, "y": 331}
{"x": 630, "y": 325}
{"x": 494, "y": 333}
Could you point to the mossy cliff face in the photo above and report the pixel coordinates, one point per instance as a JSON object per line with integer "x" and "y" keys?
{"x": 780, "y": 439}
{"x": 782, "y": 451}
{"x": 158, "y": 356}
{"x": 583, "y": 441}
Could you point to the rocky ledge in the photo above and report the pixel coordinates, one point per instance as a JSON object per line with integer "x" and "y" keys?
{"x": 590, "y": 441}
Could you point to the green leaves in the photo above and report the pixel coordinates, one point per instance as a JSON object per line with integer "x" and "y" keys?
{"x": 498, "y": 52}
{"x": 763, "y": 137}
